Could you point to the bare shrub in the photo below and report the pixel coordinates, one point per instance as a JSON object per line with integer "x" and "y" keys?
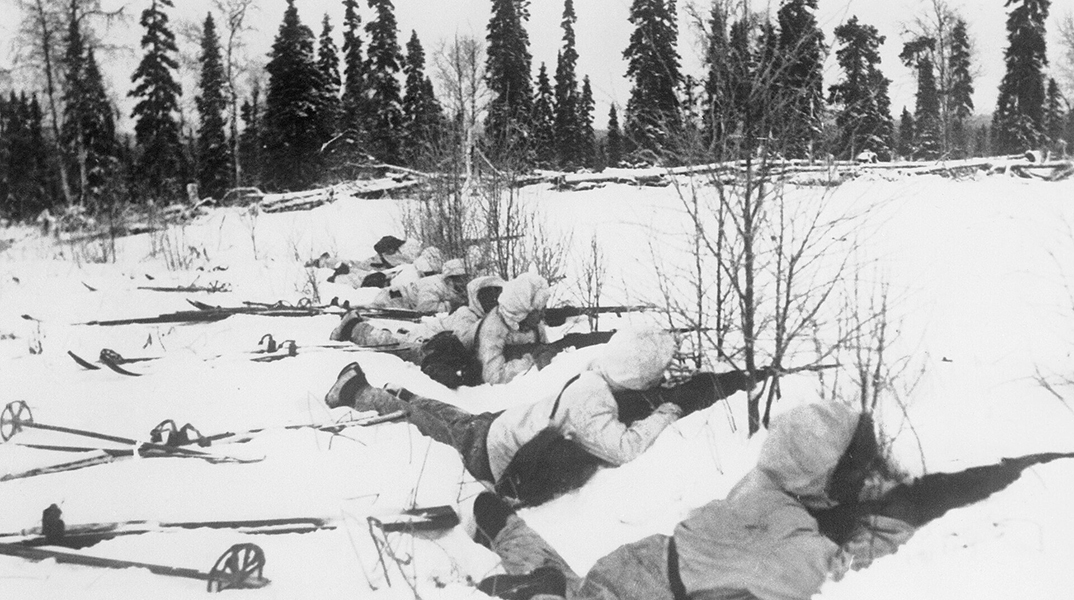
{"x": 591, "y": 279}
{"x": 769, "y": 259}
{"x": 1061, "y": 384}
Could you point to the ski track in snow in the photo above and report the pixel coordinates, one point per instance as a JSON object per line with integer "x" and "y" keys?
{"x": 978, "y": 271}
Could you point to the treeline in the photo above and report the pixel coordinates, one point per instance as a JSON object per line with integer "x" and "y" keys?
{"x": 328, "y": 113}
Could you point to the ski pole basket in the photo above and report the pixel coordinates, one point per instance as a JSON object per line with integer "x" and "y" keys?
{"x": 14, "y": 416}
{"x": 241, "y": 566}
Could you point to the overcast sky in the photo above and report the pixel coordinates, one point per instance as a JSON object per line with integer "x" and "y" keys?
{"x": 602, "y": 33}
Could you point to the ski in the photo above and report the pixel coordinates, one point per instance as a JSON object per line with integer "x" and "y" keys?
{"x": 16, "y": 416}
{"x": 431, "y": 518}
{"x": 54, "y": 532}
{"x": 185, "y": 316}
{"x": 108, "y": 359}
{"x": 209, "y": 289}
{"x": 245, "y": 436}
{"x": 241, "y": 566}
{"x": 372, "y": 312}
{"x": 99, "y": 459}
{"x": 83, "y": 362}
{"x": 171, "y": 439}
{"x": 88, "y": 534}
{"x": 271, "y": 352}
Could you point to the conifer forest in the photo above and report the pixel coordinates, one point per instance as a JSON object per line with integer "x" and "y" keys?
{"x": 337, "y": 102}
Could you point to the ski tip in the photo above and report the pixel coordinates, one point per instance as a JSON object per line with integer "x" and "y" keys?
{"x": 111, "y": 364}
{"x": 85, "y": 364}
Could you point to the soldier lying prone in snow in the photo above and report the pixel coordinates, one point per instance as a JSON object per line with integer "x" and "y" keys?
{"x": 535, "y": 451}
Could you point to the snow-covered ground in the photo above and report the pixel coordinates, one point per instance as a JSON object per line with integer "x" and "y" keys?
{"x": 978, "y": 271}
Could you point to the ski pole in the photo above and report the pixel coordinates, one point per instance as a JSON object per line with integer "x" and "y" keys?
{"x": 17, "y": 416}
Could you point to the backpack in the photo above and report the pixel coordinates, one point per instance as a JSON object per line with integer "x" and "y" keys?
{"x": 547, "y": 466}
{"x": 446, "y": 360}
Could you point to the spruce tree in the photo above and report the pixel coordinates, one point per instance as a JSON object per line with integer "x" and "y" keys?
{"x": 156, "y": 130}
{"x": 928, "y": 141}
{"x": 984, "y": 141}
{"x": 1017, "y": 123}
{"x": 799, "y": 76}
{"x": 291, "y": 134}
{"x": 1068, "y": 135}
{"x": 653, "y": 65}
{"x": 885, "y": 128}
{"x": 717, "y": 100}
{"x": 960, "y": 94}
{"x": 383, "y": 63}
{"x": 689, "y": 111}
{"x": 864, "y": 118}
{"x": 354, "y": 84}
{"x": 768, "y": 69}
{"x": 507, "y": 72}
{"x": 42, "y": 187}
{"x": 251, "y": 155}
{"x": 587, "y": 139}
{"x": 742, "y": 75}
{"x": 25, "y": 183}
{"x": 89, "y": 131}
{"x": 423, "y": 117}
{"x": 7, "y": 126}
{"x": 544, "y": 122}
{"x": 214, "y": 152}
{"x": 1054, "y": 113}
{"x": 328, "y": 65}
{"x": 905, "y": 145}
{"x": 614, "y": 150}
{"x": 929, "y": 128}
{"x": 567, "y": 128}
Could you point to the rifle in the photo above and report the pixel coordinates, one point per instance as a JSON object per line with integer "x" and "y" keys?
{"x": 556, "y": 316}
{"x": 931, "y": 496}
{"x": 209, "y": 313}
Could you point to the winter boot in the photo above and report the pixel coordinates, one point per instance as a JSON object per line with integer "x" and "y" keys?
{"x": 490, "y": 515}
{"x": 343, "y": 331}
{"x": 350, "y": 382}
{"x": 542, "y": 580}
{"x": 341, "y": 269}
{"x": 52, "y": 526}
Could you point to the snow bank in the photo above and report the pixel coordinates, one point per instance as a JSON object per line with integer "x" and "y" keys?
{"x": 979, "y": 270}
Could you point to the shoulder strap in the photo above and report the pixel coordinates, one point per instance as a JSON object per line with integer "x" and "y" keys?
{"x": 477, "y": 332}
{"x": 555, "y": 406}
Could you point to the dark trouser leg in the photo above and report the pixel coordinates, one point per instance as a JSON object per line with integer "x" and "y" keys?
{"x": 637, "y": 571}
{"x": 409, "y": 352}
{"x": 521, "y": 550}
{"x": 447, "y": 424}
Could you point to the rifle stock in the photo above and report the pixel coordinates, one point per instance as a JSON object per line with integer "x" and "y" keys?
{"x": 570, "y": 340}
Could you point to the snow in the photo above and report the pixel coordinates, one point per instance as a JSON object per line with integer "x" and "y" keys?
{"x": 978, "y": 268}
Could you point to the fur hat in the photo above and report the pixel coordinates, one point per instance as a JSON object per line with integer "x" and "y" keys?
{"x": 476, "y": 290}
{"x": 804, "y": 446}
{"x": 388, "y": 244}
{"x": 454, "y": 267}
{"x": 429, "y": 261}
{"x": 636, "y": 358}
{"x": 521, "y": 296}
